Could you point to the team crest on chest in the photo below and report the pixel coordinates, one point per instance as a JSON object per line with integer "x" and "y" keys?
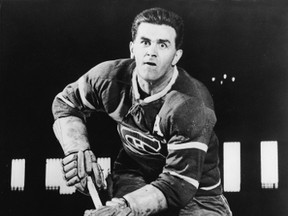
{"x": 139, "y": 142}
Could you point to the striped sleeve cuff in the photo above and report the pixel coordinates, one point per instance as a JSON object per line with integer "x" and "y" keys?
{"x": 188, "y": 145}
{"x": 191, "y": 181}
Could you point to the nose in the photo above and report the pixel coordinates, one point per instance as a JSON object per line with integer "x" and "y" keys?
{"x": 152, "y": 50}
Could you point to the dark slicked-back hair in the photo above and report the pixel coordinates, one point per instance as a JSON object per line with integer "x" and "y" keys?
{"x": 160, "y": 16}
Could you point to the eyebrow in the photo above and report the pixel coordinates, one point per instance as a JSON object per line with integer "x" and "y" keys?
{"x": 164, "y": 41}
{"x": 159, "y": 40}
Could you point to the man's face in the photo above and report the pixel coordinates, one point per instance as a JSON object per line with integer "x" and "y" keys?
{"x": 154, "y": 50}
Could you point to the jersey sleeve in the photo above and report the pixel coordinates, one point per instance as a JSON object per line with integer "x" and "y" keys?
{"x": 189, "y": 126}
{"x": 83, "y": 96}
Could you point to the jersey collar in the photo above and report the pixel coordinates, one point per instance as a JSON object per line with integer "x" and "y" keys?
{"x": 157, "y": 95}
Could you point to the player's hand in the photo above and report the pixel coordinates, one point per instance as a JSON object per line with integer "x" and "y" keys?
{"x": 78, "y": 165}
{"x": 115, "y": 207}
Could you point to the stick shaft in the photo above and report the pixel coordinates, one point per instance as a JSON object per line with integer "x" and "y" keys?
{"x": 93, "y": 193}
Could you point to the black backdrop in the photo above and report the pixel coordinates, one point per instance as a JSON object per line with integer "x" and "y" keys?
{"x": 46, "y": 44}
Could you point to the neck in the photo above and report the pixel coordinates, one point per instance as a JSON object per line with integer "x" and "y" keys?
{"x": 153, "y": 87}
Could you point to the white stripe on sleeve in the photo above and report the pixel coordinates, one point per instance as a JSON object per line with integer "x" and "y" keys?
{"x": 188, "y": 145}
{"x": 192, "y": 181}
{"x": 81, "y": 83}
{"x": 211, "y": 187}
{"x": 60, "y": 96}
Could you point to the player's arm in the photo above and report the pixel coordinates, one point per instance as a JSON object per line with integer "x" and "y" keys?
{"x": 79, "y": 160}
{"x": 192, "y": 127}
{"x": 70, "y": 108}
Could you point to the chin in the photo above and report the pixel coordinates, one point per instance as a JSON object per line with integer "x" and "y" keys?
{"x": 148, "y": 75}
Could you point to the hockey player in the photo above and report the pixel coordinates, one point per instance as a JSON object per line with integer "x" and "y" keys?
{"x": 168, "y": 163}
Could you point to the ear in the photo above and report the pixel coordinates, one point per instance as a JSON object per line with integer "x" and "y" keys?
{"x": 177, "y": 56}
{"x": 131, "y": 46}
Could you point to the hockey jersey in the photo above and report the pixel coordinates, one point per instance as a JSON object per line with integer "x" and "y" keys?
{"x": 168, "y": 135}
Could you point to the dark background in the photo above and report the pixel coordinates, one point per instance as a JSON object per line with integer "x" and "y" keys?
{"x": 46, "y": 44}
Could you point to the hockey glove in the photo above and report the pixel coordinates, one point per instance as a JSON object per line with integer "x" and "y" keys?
{"x": 115, "y": 207}
{"x": 79, "y": 160}
{"x": 147, "y": 200}
{"x": 78, "y": 165}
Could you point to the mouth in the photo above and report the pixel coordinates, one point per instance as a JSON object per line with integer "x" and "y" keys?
{"x": 150, "y": 63}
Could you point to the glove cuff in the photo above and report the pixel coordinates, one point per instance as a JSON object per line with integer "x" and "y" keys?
{"x": 146, "y": 200}
{"x": 71, "y": 134}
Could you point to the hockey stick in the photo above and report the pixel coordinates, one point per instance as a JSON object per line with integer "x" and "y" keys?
{"x": 93, "y": 193}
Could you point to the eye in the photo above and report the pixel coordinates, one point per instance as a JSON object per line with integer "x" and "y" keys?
{"x": 163, "y": 45}
{"x": 145, "y": 42}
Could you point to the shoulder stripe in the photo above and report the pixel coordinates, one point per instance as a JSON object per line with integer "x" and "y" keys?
{"x": 60, "y": 96}
{"x": 188, "y": 145}
{"x": 211, "y": 187}
{"x": 192, "y": 181}
{"x": 81, "y": 83}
